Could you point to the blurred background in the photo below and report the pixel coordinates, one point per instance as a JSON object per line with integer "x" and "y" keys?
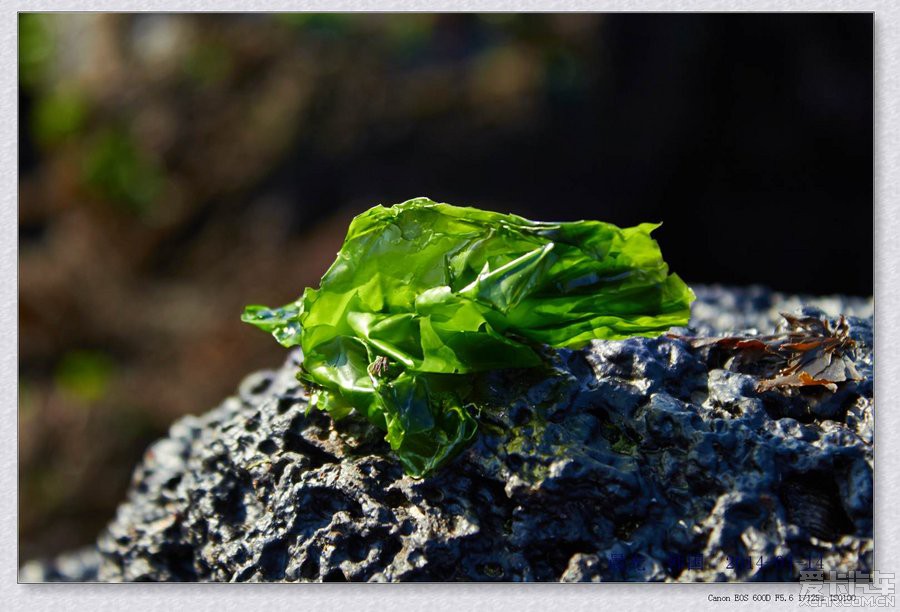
{"x": 174, "y": 168}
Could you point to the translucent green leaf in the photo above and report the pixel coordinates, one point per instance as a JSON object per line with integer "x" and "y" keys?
{"x": 424, "y": 296}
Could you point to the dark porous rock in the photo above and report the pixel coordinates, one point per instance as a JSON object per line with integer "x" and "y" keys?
{"x": 629, "y": 460}
{"x": 76, "y": 566}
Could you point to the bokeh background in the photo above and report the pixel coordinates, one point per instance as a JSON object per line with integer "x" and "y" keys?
{"x": 174, "y": 168}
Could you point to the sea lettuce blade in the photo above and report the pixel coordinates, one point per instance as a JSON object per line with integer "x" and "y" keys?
{"x": 424, "y": 296}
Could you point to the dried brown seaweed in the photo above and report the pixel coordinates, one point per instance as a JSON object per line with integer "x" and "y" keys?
{"x": 808, "y": 353}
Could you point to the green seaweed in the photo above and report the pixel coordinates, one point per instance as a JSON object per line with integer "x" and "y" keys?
{"x": 425, "y": 296}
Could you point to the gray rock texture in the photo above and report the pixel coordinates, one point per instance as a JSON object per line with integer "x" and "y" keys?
{"x": 75, "y": 566}
{"x": 635, "y": 460}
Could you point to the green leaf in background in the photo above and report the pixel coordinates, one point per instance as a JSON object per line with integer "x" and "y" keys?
{"x": 57, "y": 116}
{"x": 85, "y": 375}
{"x": 37, "y": 42}
{"x": 423, "y": 296}
{"x": 117, "y": 168}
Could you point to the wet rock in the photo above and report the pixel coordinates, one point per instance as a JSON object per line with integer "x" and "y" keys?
{"x": 631, "y": 460}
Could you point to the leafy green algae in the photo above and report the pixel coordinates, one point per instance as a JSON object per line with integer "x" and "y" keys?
{"x": 424, "y": 296}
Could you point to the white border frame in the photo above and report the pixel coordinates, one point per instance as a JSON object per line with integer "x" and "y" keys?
{"x": 439, "y": 597}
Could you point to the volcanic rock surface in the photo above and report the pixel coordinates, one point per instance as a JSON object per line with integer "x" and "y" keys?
{"x": 637, "y": 460}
